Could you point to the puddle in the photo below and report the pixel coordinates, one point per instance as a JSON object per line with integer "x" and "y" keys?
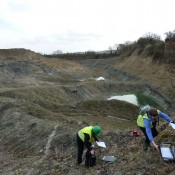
{"x": 128, "y": 98}
{"x": 139, "y": 99}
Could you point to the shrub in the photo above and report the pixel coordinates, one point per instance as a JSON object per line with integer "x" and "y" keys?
{"x": 147, "y": 39}
{"x": 170, "y": 36}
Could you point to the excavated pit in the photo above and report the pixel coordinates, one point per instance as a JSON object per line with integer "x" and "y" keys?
{"x": 45, "y": 101}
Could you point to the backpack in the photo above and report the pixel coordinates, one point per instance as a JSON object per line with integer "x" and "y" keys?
{"x": 90, "y": 159}
{"x": 144, "y": 109}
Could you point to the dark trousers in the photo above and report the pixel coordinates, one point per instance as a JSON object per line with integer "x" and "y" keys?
{"x": 154, "y": 133}
{"x": 80, "y": 145}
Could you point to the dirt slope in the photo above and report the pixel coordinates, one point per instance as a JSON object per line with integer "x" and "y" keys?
{"x": 159, "y": 76}
{"x": 45, "y": 101}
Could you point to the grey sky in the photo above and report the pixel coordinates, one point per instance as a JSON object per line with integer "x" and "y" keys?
{"x": 81, "y": 25}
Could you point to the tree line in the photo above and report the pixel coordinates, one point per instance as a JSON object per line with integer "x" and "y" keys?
{"x": 118, "y": 49}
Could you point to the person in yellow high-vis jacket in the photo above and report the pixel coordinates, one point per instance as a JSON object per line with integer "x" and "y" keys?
{"x": 147, "y": 123}
{"x": 85, "y": 136}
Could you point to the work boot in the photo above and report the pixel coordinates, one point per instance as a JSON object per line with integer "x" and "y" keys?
{"x": 80, "y": 164}
{"x": 79, "y": 161}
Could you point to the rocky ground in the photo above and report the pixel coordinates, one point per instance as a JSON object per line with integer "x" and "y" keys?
{"x": 45, "y": 101}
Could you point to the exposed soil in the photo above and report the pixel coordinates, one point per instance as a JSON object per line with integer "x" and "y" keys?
{"x": 45, "y": 101}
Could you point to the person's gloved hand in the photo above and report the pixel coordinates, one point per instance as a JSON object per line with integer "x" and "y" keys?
{"x": 155, "y": 145}
{"x": 92, "y": 152}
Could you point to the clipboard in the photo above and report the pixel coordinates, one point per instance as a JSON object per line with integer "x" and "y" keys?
{"x": 109, "y": 159}
{"x": 101, "y": 144}
{"x": 172, "y": 125}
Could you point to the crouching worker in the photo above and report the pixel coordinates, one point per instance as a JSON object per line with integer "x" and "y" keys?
{"x": 147, "y": 123}
{"x": 85, "y": 137}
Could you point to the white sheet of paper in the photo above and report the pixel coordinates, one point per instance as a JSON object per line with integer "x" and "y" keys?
{"x": 166, "y": 153}
{"x": 101, "y": 144}
{"x": 172, "y": 125}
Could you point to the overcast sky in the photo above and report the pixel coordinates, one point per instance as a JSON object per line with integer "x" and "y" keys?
{"x": 80, "y": 25}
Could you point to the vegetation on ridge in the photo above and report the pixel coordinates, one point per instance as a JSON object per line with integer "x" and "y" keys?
{"x": 151, "y": 40}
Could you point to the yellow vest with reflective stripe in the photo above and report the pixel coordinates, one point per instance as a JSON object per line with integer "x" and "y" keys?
{"x": 87, "y": 130}
{"x": 140, "y": 121}
{"x": 140, "y": 118}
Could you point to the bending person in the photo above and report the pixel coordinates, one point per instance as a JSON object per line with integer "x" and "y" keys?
{"x": 84, "y": 138}
{"x": 147, "y": 123}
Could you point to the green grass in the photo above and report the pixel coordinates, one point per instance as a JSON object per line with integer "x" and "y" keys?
{"x": 144, "y": 99}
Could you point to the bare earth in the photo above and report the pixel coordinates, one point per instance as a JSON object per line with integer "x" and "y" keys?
{"x": 45, "y": 101}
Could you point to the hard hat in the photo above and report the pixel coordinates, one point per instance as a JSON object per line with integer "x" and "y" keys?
{"x": 96, "y": 130}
